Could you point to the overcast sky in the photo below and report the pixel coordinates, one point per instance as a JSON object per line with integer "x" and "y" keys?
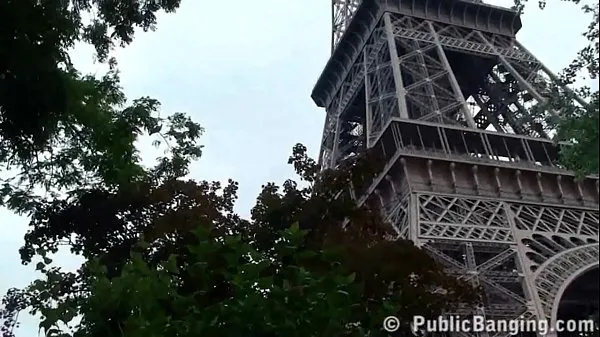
{"x": 245, "y": 70}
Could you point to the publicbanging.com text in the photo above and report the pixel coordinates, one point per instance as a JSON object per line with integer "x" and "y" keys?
{"x": 420, "y": 325}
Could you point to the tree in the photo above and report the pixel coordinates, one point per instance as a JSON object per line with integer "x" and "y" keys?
{"x": 63, "y": 131}
{"x": 58, "y": 127}
{"x": 577, "y": 124}
{"x": 172, "y": 252}
{"x": 96, "y": 220}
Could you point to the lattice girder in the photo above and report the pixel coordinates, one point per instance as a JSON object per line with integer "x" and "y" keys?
{"x": 408, "y": 68}
{"x": 503, "y": 272}
{"x": 342, "y": 12}
{"x": 556, "y": 220}
{"x": 471, "y": 262}
{"x": 462, "y": 219}
{"x": 456, "y": 105}
{"x": 557, "y": 273}
{"x": 506, "y": 109}
{"x": 491, "y": 260}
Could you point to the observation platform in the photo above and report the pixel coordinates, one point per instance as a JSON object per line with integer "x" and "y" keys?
{"x": 461, "y": 13}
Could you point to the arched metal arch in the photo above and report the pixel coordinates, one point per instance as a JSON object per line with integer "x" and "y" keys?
{"x": 554, "y": 276}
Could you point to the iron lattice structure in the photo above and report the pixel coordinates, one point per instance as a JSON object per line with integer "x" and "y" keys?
{"x": 444, "y": 91}
{"x": 341, "y": 15}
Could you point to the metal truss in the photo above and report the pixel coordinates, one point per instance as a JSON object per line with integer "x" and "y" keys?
{"x": 413, "y": 68}
{"x": 562, "y": 269}
{"x": 522, "y": 255}
{"x": 341, "y": 14}
{"x": 556, "y": 220}
{"x": 464, "y": 219}
{"x": 423, "y": 91}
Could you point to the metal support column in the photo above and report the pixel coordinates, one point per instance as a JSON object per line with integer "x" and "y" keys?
{"x": 516, "y": 74}
{"x": 453, "y": 82}
{"x": 555, "y": 78}
{"x": 400, "y": 91}
{"x": 368, "y": 117}
{"x": 531, "y": 294}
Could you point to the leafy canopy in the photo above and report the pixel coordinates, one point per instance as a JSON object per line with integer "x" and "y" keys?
{"x": 171, "y": 250}
{"x": 173, "y": 253}
{"x": 168, "y": 256}
{"x": 60, "y": 129}
{"x": 578, "y": 124}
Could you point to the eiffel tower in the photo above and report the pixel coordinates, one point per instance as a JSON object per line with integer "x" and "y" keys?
{"x": 443, "y": 90}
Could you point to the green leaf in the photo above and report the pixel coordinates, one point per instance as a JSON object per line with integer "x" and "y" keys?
{"x": 171, "y": 264}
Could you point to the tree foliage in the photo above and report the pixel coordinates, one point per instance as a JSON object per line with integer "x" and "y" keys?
{"x": 578, "y": 124}
{"x": 171, "y": 258}
{"x": 168, "y": 256}
{"x": 63, "y": 131}
{"x": 58, "y": 127}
